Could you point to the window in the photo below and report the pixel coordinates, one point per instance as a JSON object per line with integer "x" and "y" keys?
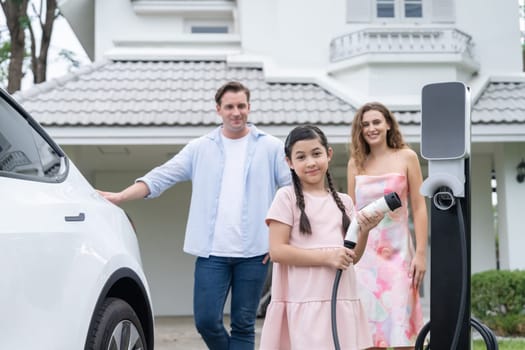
{"x": 421, "y": 11}
{"x": 202, "y": 29}
{"x": 399, "y": 9}
{"x": 413, "y": 9}
{"x": 210, "y": 26}
{"x": 385, "y": 8}
{"x": 24, "y": 152}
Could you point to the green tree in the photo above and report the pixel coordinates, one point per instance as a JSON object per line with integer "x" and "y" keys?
{"x": 522, "y": 30}
{"x": 15, "y": 12}
{"x": 45, "y": 17}
{"x": 25, "y": 41}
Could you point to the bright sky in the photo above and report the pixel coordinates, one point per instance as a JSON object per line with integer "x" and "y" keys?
{"x": 64, "y": 38}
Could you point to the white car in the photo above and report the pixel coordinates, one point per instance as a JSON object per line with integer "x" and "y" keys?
{"x": 71, "y": 276}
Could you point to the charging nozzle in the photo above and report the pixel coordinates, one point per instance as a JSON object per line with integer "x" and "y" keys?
{"x": 392, "y": 200}
{"x": 389, "y": 202}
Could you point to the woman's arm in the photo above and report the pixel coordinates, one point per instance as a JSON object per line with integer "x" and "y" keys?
{"x": 351, "y": 172}
{"x": 419, "y": 217}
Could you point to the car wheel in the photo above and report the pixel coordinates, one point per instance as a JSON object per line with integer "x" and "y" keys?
{"x": 116, "y": 327}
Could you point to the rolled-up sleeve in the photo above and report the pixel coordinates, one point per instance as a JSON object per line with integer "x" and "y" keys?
{"x": 177, "y": 169}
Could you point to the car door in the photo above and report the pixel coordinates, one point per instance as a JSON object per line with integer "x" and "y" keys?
{"x": 41, "y": 223}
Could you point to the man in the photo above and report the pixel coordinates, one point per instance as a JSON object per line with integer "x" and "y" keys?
{"x": 235, "y": 171}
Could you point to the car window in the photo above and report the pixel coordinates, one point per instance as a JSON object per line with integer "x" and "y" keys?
{"x": 24, "y": 152}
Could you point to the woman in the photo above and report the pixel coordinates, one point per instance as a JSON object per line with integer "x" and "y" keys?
{"x": 391, "y": 270}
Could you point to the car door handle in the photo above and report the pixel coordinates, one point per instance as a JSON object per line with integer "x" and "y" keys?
{"x": 79, "y": 217}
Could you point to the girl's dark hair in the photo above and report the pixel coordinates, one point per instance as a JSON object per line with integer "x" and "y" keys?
{"x": 311, "y": 132}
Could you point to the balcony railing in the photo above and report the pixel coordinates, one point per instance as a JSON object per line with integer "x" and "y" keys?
{"x": 405, "y": 40}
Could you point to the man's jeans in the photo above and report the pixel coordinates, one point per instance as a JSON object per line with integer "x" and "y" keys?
{"x": 214, "y": 276}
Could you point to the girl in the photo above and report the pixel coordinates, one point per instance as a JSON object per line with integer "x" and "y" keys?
{"x": 391, "y": 271}
{"x": 307, "y": 223}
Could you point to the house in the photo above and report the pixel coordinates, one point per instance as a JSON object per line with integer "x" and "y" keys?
{"x": 157, "y": 64}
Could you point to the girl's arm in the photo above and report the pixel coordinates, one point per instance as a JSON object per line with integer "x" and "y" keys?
{"x": 282, "y": 252}
{"x": 419, "y": 216}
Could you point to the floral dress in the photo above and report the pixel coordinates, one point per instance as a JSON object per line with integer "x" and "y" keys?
{"x": 392, "y": 304}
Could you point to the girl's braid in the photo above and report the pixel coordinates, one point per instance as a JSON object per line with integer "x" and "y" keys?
{"x": 340, "y": 205}
{"x": 304, "y": 223}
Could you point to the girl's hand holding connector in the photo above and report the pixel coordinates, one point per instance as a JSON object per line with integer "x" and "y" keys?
{"x": 368, "y": 221}
{"x": 341, "y": 258}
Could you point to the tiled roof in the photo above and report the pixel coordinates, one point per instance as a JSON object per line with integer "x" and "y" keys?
{"x": 502, "y": 102}
{"x": 158, "y": 93}
{"x": 155, "y": 93}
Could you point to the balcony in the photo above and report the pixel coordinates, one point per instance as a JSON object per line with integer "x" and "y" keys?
{"x": 406, "y": 41}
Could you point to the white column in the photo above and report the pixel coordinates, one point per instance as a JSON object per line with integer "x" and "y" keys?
{"x": 483, "y": 236}
{"x": 510, "y": 207}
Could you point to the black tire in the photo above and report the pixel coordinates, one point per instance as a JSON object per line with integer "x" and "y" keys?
{"x": 115, "y": 327}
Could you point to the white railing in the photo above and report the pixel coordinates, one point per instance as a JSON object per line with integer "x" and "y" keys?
{"x": 395, "y": 40}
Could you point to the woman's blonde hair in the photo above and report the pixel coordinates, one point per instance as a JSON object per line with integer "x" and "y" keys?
{"x": 359, "y": 149}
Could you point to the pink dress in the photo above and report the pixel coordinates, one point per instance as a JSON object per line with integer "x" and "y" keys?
{"x": 392, "y": 305}
{"x": 298, "y": 317}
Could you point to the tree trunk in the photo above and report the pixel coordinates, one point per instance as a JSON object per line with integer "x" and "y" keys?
{"x": 39, "y": 67}
{"x": 15, "y": 14}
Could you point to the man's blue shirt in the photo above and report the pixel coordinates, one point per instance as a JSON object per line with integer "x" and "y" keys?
{"x": 202, "y": 162}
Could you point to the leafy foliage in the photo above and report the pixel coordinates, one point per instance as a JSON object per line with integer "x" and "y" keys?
{"x": 498, "y": 300}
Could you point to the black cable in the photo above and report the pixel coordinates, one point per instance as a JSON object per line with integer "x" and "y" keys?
{"x": 333, "y": 308}
{"x": 420, "y": 340}
{"x": 464, "y": 272}
{"x": 350, "y": 245}
{"x": 488, "y": 337}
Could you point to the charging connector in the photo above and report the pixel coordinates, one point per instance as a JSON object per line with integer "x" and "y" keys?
{"x": 444, "y": 199}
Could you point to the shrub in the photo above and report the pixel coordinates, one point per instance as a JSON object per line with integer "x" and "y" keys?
{"x": 498, "y": 300}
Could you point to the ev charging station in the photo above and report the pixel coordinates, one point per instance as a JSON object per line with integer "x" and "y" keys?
{"x": 445, "y": 144}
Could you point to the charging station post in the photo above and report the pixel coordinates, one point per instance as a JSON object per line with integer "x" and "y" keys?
{"x": 445, "y": 143}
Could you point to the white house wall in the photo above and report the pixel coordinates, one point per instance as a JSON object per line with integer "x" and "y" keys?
{"x": 497, "y": 50}
{"x": 296, "y": 33}
{"x": 116, "y": 23}
{"x": 402, "y": 86}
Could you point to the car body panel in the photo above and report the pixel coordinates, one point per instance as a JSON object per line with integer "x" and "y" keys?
{"x": 60, "y": 244}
